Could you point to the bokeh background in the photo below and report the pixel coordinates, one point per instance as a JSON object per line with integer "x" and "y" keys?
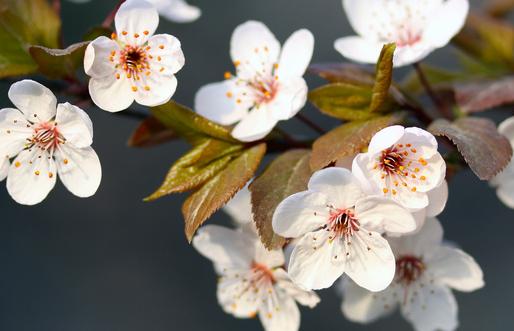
{"x": 113, "y": 262}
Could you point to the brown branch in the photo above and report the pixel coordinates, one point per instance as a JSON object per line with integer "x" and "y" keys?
{"x": 440, "y": 104}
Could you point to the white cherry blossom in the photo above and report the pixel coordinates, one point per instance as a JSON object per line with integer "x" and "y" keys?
{"x": 339, "y": 231}
{"x": 45, "y": 139}
{"x": 268, "y": 85}
{"x": 239, "y": 208}
{"x": 504, "y": 182}
{"x": 426, "y": 270}
{"x": 252, "y": 279}
{"x": 417, "y": 28}
{"x": 402, "y": 164}
{"x": 135, "y": 64}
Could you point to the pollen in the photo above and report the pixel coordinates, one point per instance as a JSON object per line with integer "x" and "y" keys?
{"x": 124, "y": 33}
{"x": 65, "y": 161}
{"x": 237, "y": 63}
{"x": 136, "y": 35}
{"x": 161, "y": 46}
{"x": 36, "y": 172}
{"x": 414, "y": 189}
{"x": 146, "y": 32}
{"x": 229, "y": 95}
{"x": 134, "y": 88}
{"x": 385, "y": 190}
{"x": 227, "y": 75}
{"x": 17, "y": 164}
{"x": 50, "y": 175}
{"x": 147, "y": 88}
{"x": 114, "y": 35}
{"x": 423, "y": 178}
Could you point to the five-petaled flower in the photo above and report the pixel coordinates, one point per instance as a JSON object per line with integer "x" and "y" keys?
{"x": 504, "y": 181}
{"x": 45, "y": 140}
{"x": 403, "y": 164}
{"x": 417, "y": 28}
{"x": 268, "y": 85}
{"x": 426, "y": 269}
{"x": 178, "y": 11}
{"x": 134, "y": 64}
{"x": 339, "y": 230}
{"x": 252, "y": 280}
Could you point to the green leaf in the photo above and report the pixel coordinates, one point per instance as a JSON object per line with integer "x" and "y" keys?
{"x": 151, "y": 132}
{"x": 342, "y": 100}
{"x": 59, "y": 63}
{"x": 220, "y": 189}
{"x": 437, "y": 77}
{"x": 343, "y": 73}
{"x": 189, "y": 125}
{"x": 485, "y": 150}
{"x": 196, "y": 167}
{"x": 348, "y": 139}
{"x": 24, "y": 23}
{"x": 383, "y": 77}
{"x": 287, "y": 174}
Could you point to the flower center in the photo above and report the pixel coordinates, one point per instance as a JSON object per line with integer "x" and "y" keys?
{"x": 342, "y": 223}
{"x": 401, "y": 168}
{"x": 134, "y": 60}
{"x": 46, "y": 137}
{"x": 409, "y": 269}
{"x": 261, "y": 273}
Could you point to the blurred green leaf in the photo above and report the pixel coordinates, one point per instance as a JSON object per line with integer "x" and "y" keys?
{"x": 24, "y": 23}
{"x": 196, "y": 167}
{"x": 96, "y": 32}
{"x": 287, "y": 174}
{"x": 343, "y": 73}
{"x": 59, "y": 63}
{"x": 189, "y": 125}
{"x": 383, "y": 77}
{"x": 348, "y": 139}
{"x": 436, "y": 76}
{"x": 485, "y": 150}
{"x": 221, "y": 188}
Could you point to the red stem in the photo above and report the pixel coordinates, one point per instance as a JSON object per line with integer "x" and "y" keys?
{"x": 110, "y": 18}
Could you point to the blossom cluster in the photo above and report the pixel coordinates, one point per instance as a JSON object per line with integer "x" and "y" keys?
{"x": 361, "y": 220}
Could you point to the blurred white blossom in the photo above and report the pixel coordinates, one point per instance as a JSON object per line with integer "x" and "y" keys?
{"x": 339, "y": 230}
{"x": 134, "y": 64}
{"x": 417, "y": 28}
{"x": 45, "y": 139}
{"x": 504, "y": 182}
{"x": 268, "y": 85}
{"x": 402, "y": 164}
{"x": 252, "y": 279}
{"x": 426, "y": 270}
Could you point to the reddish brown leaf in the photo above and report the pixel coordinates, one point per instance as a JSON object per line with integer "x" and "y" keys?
{"x": 221, "y": 188}
{"x": 286, "y": 175}
{"x": 151, "y": 132}
{"x": 485, "y": 150}
{"x": 476, "y": 97}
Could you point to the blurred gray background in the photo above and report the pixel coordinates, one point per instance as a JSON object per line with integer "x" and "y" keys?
{"x": 112, "y": 262}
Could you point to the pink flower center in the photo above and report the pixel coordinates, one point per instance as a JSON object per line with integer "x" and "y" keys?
{"x": 46, "y": 136}
{"x": 408, "y": 269}
{"x": 134, "y": 61}
{"x": 261, "y": 273}
{"x": 407, "y": 38}
{"x": 342, "y": 223}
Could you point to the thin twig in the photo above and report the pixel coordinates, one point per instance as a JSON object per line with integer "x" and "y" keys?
{"x": 440, "y": 104}
{"x": 56, "y": 4}
{"x": 310, "y": 123}
{"x": 110, "y": 18}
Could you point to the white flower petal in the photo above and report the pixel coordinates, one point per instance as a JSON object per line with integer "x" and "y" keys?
{"x": 300, "y": 213}
{"x": 290, "y": 98}
{"x": 305, "y": 298}
{"x": 236, "y": 298}
{"x": 446, "y": 22}
{"x": 359, "y": 49}
{"x": 411, "y": 54}
{"x": 168, "y": 57}
{"x": 360, "y": 13}
{"x": 280, "y": 314}
{"x": 338, "y": 184}
{"x": 111, "y": 94}
{"x": 370, "y": 263}
{"x": 385, "y": 138}
{"x": 4, "y": 168}
{"x": 224, "y": 246}
{"x": 14, "y": 132}
{"x": 239, "y": 208}
{"x": 313, "y": 265}
{"x": 506, "y": 128}
{"x": 269, "y": 258}
{"x": 216, "y": 102}
{"x": 34, "y": 100}
{"x": 96, "y": 58}
{"x": 139, "y": 19}
{"x": 31, "y": 177}
{"x": 75, "y": 125}
{"x": 155, "y": 90}
{"x": 296, "y": 55}
{"x": 505, "y": 193}
{"x": 256, "y": 125}
{"x": 432, "y": 308}
{"x": 255, "y": 47}
{"x": 178, "y": 11}
{"x": 437, "y": 200}
{"x": 455, "y": 268}
{"x": 79, "y": 169}
{"x": 362, "y": 306}
{"x": 422, "y": 243}
{"x": 384, "y": 215}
